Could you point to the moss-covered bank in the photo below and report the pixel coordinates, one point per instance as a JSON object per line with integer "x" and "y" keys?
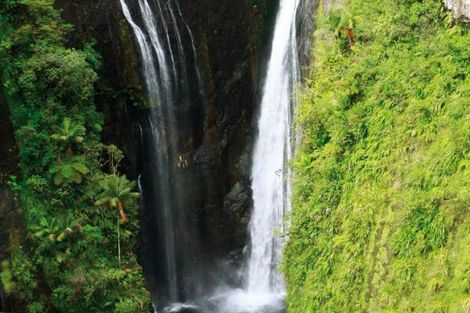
{"x": 380, "y": 220}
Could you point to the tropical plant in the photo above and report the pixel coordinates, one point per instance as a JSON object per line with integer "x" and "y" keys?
{"x": 6, "y": 276}
{"x": 116, "y": 194}
{"x": 342, "y": 23}
{"x": 50, "y": 89}
{"x": 54, "y": 230}
{"x": 67, "y": 134}
{"x": 69, "y": 171}
{"x": 115, "y": 157}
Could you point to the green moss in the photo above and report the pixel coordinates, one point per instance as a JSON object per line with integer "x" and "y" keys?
{"x": 381, "y": 189}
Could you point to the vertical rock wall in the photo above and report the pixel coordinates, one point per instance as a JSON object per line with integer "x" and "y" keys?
{"x": 119, "y": 89}
{"x": 10, "y": 219}
{"x": 231, "y": 39}
{"x": 306, "y": 24}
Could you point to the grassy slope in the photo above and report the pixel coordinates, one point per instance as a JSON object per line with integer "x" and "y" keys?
{"x": 382, "y": 186}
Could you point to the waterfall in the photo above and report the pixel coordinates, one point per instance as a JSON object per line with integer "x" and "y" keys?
{"x": 265, "y": 289}
{"x": 159, "y": 89}
{"x": 165, "y": 69}
{"x": 160, "y": 43}
{"x": 271, "y": 154}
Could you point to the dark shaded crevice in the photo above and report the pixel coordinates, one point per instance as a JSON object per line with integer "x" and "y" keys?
{"x": 10, "y": 217}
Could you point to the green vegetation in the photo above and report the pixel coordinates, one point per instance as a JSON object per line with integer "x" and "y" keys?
{"x": 72, "y": 258}
{"x": 380, "y": 221}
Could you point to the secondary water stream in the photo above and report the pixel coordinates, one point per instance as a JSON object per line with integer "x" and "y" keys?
{"x": 165, "y": 76}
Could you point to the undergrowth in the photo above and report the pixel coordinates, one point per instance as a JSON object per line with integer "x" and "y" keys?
{"x": 380, "y": 217}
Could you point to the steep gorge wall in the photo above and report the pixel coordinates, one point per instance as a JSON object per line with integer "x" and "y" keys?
{"x": 119, "y": 86}
{"x": 231, "y": 39}
{"x": 9, "y": 214}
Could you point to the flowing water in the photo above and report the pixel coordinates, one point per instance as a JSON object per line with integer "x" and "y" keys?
{"x": 155, "y": 27}
{"x": 265, "y": 289}
{"x": 162, "y": 82}
{"x": 272, "y": 151}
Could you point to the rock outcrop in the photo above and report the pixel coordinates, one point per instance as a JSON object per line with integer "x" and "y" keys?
{"x": 459, "y": 8}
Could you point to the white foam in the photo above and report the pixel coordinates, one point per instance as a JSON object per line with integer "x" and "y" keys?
{"x": 241, "y": 301}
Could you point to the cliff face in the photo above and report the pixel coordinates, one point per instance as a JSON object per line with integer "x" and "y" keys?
{"x": 305, "y": 27}
{"x": 9, "y": 215}
{"x": 231, "y": 40}
{"x": 215, "y": 134}
{"x": 119, "y": 87}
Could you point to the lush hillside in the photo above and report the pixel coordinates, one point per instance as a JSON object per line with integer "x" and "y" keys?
{"x": 382, "y": 177}
{"x": 76, "y": 251}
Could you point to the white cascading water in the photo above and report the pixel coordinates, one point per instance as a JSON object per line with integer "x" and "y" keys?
{"x": 271, "y": 154}
{"x": 265, "y": 289}
{"x": 159, "y": 86}
{"x": 155, "y": 27}
{"x": 150, "y": 72}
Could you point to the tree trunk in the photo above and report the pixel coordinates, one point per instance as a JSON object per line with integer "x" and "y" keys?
{"x": 69, "y": 152}
{"x": 122, "y": 214}
{"x": 119, "y": 241}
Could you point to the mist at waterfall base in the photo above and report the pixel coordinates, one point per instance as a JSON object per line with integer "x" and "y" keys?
{"x": 173, "y": 268}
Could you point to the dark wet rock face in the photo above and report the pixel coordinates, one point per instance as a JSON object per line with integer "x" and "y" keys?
{"x": 230, "y": 37}
{"x": 215, "y": 133}
{"x": 10, "y": 221}
{"x": 305, "y": 26}
{"x": 119, "y": 88}
{"x": 8, "y": 157}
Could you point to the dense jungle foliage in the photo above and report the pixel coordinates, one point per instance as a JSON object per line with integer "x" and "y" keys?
{"x": 78, "y": 249}
{"x": 382, "y": 187}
